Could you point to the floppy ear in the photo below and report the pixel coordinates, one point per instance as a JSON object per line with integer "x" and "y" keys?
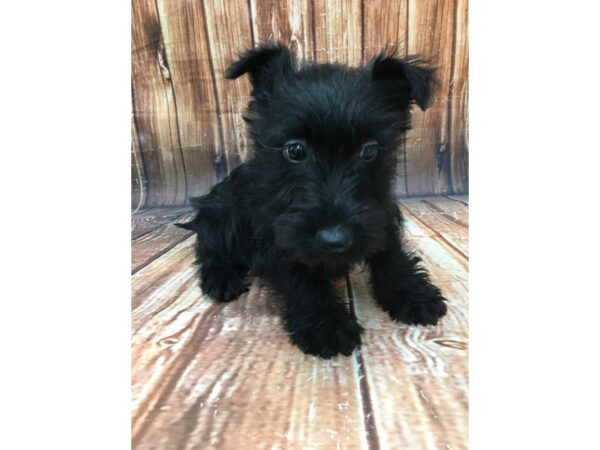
{"x": 264, "y": 64}
{"x": 406, "y": 80}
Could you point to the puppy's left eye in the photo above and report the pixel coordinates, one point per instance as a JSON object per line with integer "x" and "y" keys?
{"x": 369, "y": 151}
{"x": 294, "y": 151}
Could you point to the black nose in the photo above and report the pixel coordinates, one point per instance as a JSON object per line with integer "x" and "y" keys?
{"x": 335, "y": 239}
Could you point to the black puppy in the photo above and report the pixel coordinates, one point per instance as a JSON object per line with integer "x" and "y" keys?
{"x": 316, "y": 198}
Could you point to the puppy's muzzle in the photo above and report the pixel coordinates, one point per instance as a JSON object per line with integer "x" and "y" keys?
{"x": 335, "y": 239}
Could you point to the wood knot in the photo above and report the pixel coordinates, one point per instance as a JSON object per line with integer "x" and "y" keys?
{"x": 458, "y": 345}
{"x": 167, "y": 342}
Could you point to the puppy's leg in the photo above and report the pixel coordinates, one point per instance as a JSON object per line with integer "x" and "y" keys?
{"x": 402, "y": 287}
{"x": 221, "y": 280}
{"x": 318, "y": 323}
{"x": 223, "y": 250}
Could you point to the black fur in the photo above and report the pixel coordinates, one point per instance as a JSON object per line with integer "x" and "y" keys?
{"x": 301, "y": 224}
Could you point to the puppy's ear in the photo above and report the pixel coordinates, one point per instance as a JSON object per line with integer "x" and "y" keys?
{"x": 265, "y": 64}
{"x": 406, "y": 80}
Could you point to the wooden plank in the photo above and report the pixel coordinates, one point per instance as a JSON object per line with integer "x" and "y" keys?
{"x": 288, "y": 21}
{"x": 146, "y": 220}
{"x": 338, "y": 31}
{"x": 154, "y": 109}
{"x": 228, "y": 27}
{"x": 459, "y": 103}
{"x": 457, "y": 207}
{"x": 417, "y": 377}
{"x": 178, "y": 334}
{"x": 446, "y": 218}
{"x": 385, "y": 26}
{"x": 187, "y": 64}
{"x": 431, "y": 33}
{"x": 188, "y": 119}
{"x": 138, "y": 173}
{"x": 464, "y": 199}
{"x": 157, "y": 241}
{"x": 210, "y": 376}
{"x": 163, "y": 275}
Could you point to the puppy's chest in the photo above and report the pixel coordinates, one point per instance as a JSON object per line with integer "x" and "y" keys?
{"x": 336, "y": 270}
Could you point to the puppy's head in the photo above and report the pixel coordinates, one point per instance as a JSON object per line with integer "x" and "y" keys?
{"x": 326, "y": 141}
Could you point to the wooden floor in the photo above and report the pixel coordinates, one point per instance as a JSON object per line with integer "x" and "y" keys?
{"x": 224, "y": 376}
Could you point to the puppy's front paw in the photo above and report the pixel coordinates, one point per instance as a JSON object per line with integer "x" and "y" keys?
{"x": 329, "y": 340}
{"x": 222, "y": 285}
{"x": 422, "y": 307}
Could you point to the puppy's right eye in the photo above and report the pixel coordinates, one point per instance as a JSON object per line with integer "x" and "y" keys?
{"x": 369, "y": 151}
{"x": 294, "y": 151}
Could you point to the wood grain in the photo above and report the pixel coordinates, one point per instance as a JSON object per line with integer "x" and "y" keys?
{"x": 417, "y": 377}
{"x": 157, "y": 241}
{"x": 154, "y": 109}
{"x": 187, "y": 64}
{"x": 229, "y": 32}
{"x": 224, "y": 376}
{"x": 385, "y": 25}
{"x": 456, "y": 207}
{"x": 288, "y": 21}
{"x": 146, "y": 220}
{"x": 188, "y": 119}
{"x": 446, "y": 218}
{"x": 459, "y": 103}
{"x": 431, "y": 35}
{"x": 338, "y": 31}
{"x": 162, "y": 275}
{"x": 464, "y": 199}
{"x": 138, "y": 173}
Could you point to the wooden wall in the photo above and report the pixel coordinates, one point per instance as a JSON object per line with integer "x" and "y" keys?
{"x": 187, "y": 127}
